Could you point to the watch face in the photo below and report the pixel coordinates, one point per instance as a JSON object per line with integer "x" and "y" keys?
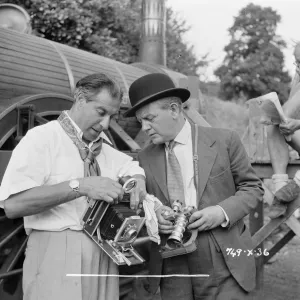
{"x": 74, "y": 184}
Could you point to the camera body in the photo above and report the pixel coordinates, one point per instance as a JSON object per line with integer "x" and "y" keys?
{"x": 114, "y": 228}
{"x": 181, "y": 240}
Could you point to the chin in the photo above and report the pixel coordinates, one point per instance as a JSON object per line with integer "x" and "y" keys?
{"x": 89, "y": 137}
{"x": 157, "y": 140}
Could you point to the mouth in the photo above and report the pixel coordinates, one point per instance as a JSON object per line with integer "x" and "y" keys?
{"x": 96, "y": 131}
{"x": 152, "y": 134}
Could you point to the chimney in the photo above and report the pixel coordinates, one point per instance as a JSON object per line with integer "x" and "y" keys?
{"x": 153, "y": 39}
{"x": 14, "y": 17}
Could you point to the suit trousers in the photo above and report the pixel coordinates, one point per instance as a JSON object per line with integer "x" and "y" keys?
{"x": 207, "y": 259}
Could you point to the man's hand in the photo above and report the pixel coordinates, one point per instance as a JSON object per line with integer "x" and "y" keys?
{"x": 137, "y": 191}
{"x": 101, "y": 188}
{"x": 164, "y": 226}
{"x": 289, "y": 127}
{"x": 207, "y": 218}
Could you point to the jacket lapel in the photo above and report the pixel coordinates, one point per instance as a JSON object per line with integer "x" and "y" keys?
{"x": 206, "y": 158}
{"x": 157, "y": 157}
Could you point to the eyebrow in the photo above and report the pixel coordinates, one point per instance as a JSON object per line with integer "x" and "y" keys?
{"x": 105, "y": 111}
{"x": 145, "y": 116}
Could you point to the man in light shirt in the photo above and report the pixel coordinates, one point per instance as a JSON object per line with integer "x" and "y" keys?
{"x": 52, "y": 173}
{"x": 285, "y": 190}
{"x": 210, "y": 171}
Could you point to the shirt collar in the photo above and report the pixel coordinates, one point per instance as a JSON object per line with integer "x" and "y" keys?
{"x": 80, "y": 133}
{"x": 183, "y": 135}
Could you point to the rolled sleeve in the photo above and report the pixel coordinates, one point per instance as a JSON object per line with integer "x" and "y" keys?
{"x": 29, "y": 165}
{"x": 129, "y": 167}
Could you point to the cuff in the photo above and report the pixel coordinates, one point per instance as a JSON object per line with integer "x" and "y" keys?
{"x": 226, "y": 222}
{"x": 139, "y": 176}
{"x": 157, "y": 205}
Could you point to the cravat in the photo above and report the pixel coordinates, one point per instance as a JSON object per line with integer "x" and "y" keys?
{"x": 174, "y": 177}
{"x": 91, "y": 166}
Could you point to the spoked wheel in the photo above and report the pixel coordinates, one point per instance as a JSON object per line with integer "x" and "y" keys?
{"x": 17, "y": 115}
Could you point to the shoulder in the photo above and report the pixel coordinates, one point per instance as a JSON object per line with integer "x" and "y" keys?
{"x": 41, "y": 136}
{"x": 49, "y": 128}
{"x": 114, "y": 154}
{"x": 220, "y": 135}
{"x": 43, "y": 132}
{"x": 145, "y": 151}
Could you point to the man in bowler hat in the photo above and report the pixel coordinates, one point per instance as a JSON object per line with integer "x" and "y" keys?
{"x": 203, "y": 167}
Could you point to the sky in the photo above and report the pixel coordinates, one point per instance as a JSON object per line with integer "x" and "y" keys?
{"x": 210, "y": 20}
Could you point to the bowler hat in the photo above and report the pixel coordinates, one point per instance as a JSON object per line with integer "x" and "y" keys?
{"x": 150, "y": 88}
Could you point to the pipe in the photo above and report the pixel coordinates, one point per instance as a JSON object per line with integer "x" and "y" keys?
{"x": 153, "y": 36}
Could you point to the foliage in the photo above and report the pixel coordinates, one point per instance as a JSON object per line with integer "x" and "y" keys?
{"x": 226, "y": 114}
{"x": 110, "y": 28}
{"x": 254, "y": 60}
{"x": 180, "y": 55}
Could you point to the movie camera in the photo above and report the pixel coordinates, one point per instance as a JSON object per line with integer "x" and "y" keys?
{"x": 181, "y": 240}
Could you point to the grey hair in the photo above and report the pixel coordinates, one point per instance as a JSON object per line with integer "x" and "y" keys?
{"x": 93, "y": 84}
{"x": 166, "y": 102}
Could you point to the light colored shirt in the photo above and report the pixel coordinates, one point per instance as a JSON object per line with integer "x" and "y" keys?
{"x": 47, "y": 156}
{"x": 183, "y": 151}
{"x": 295, "y": 85}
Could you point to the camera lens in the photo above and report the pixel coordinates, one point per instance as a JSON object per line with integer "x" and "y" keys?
{"x": 175, "y": 238}
{"x": 130, "y": 232}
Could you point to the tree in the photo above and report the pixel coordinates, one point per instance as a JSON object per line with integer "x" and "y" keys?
{"x": 181, "y": 56}
{"x": 254, "y": 62}
{"x": 110, "y": 28}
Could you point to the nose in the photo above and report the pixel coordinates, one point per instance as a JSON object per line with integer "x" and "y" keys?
{"x": 145, "y": 125}
{"x": 105, "y": 122}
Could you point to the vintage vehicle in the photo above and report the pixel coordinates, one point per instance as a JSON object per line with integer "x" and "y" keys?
{"x": 37, "y": 78}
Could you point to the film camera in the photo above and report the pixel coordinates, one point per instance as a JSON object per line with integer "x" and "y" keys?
{"x": 114, "y": 228}
{"x": 181, "y": 240}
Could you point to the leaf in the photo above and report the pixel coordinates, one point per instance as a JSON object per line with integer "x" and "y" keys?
{"x": 254, "y": 62}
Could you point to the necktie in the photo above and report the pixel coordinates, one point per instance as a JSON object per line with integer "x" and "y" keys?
{"x": 174, "y": 177}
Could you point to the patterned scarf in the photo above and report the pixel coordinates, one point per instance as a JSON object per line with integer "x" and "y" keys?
{"x": 91, "y": 166}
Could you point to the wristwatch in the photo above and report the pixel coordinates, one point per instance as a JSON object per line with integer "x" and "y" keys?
{"x": 74, "y": 185}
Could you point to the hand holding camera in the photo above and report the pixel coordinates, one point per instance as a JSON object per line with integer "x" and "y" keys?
{"x": 114, "y": 228}
{"x": 175, "y": 222}
{"x": 179, "y": 216}
{"x": 165, "y": 225}
{"x": 207, "y": 218}
{"x": 101, "y": 188}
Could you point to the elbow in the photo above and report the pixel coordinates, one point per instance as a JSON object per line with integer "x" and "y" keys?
{"x": 10, "y": 212}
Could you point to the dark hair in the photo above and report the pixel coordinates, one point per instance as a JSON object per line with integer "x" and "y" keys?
{"x": 93, "y": 84}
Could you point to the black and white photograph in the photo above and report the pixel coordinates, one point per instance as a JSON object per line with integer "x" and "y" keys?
{"x": 149, "y": 150}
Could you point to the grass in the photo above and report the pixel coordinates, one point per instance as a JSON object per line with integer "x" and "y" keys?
{"x": 226, "y": 114}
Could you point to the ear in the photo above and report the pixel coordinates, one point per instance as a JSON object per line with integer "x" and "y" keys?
{"x": 80, "y": 103}
{"x": 175, "y": 110}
